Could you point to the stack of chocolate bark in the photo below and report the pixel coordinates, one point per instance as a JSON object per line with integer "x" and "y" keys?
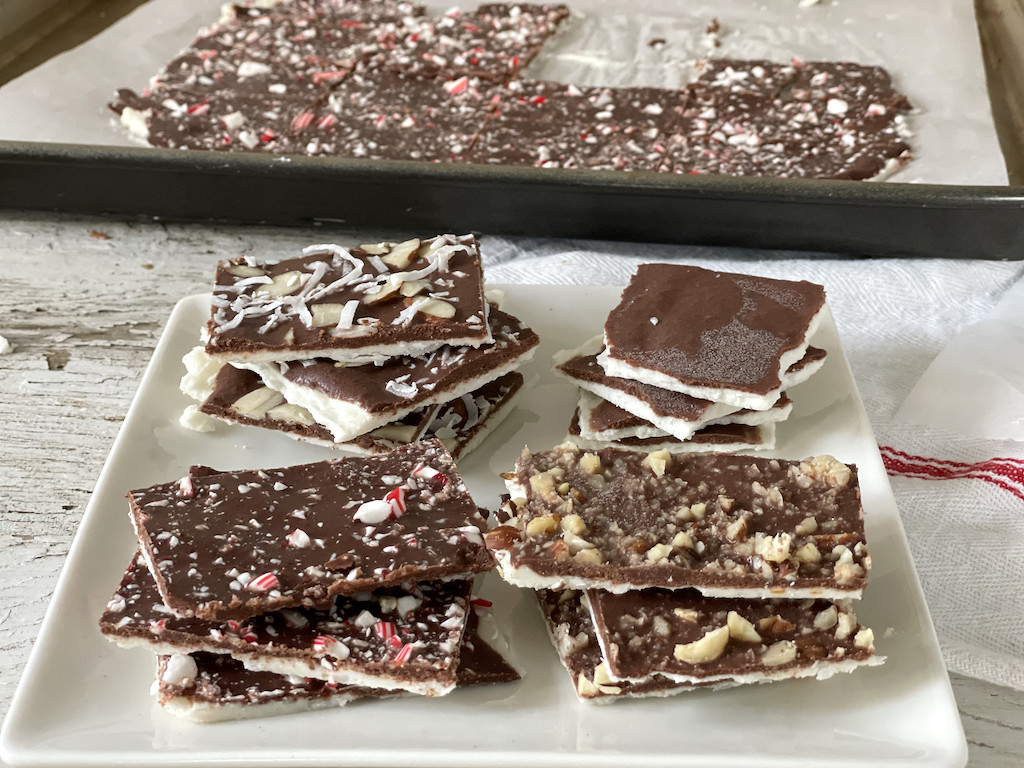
{"x": 270, "y": 591}
{"x": 693, "y": 360}
{"x": 360, "y": 349}
{"x": 382, "y": 80}
{"x": 661, "y": 571}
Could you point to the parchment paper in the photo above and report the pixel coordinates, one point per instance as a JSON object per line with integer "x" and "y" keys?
{"x": 931, "y": 47}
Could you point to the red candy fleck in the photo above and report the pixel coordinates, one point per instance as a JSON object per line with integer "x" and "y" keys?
{"x": 322, "y": 642}
{"x": 479, "y": 602}
{"x": 268, "y": 136}
{"x": 437, "y": 480}
{"x": 199, "y": 109}
{"x": 302, "y": 121}
{"x": 385, "y": 629}
{"x": 395, "y": 641}
{"x": 403, "y": 655}
{"x": 326, "y": 121}
{"x": 185, "y": 487}
{"x": 396, "y": 499}
{"x": 457, "y": 86}
{"x": 263, "y": 583}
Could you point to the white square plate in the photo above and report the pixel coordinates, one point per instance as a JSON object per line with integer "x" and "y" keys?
{"x": 84, "y": 702}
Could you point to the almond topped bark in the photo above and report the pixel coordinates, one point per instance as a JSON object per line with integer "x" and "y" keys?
{"x": 235, "y": 544}
{"x": 727, "y": 525}
{"x": 358, "y": 305}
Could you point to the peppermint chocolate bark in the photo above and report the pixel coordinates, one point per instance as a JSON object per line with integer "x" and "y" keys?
{"x": 352, "y": 400}
{"x": 211, "y": 687}
{"x": 404, "y": 637}
{"x": 355, "y": 306}
{"x": 714, "y": 335}
{"x": 688, "y": 638}
{"x": 236, "y": 544}
{"x": 727, "y": 525}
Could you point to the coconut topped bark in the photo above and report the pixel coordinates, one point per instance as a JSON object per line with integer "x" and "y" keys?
{"x": 727, "y": 525}
{"x": 235, "y": 544}
{"x": 719, "y": 336}
{"x": 358, "y": 305}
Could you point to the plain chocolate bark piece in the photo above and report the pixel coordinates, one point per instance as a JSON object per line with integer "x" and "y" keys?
{"x": 352, "y": 400}
{"x": 716, "y": 335}
{"x": 731, "y": 438}
{"x": 236, "y": 544}
{"x": 356, "y": 305}
{"x": 689, "y": 638}
{"x": 727, "y": 525}
{"x": 571, "y": 630}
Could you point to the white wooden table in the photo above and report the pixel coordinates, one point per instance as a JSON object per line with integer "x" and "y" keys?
{"x": 83, "y": 302}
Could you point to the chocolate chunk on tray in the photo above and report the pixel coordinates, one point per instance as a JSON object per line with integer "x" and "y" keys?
{"x": 689, "y": 638}
{"x": 359, "y": 305}
{"x": 571, "y": 630}
{"x": 404, "y": 637}
{"x": 352, "y": 400}
{"x": 236, "y": 544}
{"x": 727, "y": 525}
{"x": 714, "y": 438}
{"x": 213, "y": 687}
{"x": 714, "y": 335}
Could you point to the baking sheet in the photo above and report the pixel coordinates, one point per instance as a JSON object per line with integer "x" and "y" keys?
{"x": 64, "y": 100}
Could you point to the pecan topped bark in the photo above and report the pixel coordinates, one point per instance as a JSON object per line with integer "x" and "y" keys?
{"x": 235, "y": 544}
{"x": 727, "y": 525}
{"x": 356, "y": 305}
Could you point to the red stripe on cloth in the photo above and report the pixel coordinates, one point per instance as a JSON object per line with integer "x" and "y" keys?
{"x": 999, "y": 472}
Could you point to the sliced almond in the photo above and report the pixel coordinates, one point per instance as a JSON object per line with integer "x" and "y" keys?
{"x": 244, "y": 270}
{"x": 827, "y": 618}
{"x": 284, "y": 284}
{"x": 387, "y": 291}
{"x": 413, "y": 287}
{"x": 401, "y": 255}
{"x": 708, "y": 648}
{"x": 779, "y": 653}
{"x": 255, "y": 404}
{"x": 400, "y": 433}
{"x": 375, "y": 249}
{"x": 437, "y": 308}
{"x": 325, "y": 315}
{"x": 291, "y": 413}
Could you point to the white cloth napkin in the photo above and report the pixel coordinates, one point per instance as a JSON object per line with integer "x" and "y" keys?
{"x": 963, "y": 512}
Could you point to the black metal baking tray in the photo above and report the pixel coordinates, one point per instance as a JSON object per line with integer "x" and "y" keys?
{"x": 849, "y": 218}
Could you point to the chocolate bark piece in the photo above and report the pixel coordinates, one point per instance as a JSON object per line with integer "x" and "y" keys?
{"x": 689, "y": 638}
{"x": 602, "y": 420}
{"x": 385, "y": 115}
{"x": 236, "y": 544}
{"x": 493, "y": 42}
{"x": 404, "y": 637}
{"x": 674, "y": 413}
{"x": 714, "y": 335}
{"x": 359, "y": 305}
{"x": 727, "y": 525}
{"x": 352, "y": 400}
{"x": 211, "y": 687}
{"x": 720, "y": 438}
{"x": 553, "y": 125}
{"x": 463, "y": 423}
{"x": 238, "y": 396}
{"x": 571, "y": 630}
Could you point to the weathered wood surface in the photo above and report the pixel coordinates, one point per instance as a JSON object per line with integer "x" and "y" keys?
{"x": 83, "y": 303}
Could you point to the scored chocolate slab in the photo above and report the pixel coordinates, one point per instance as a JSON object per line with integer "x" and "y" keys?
{"x": 352, "y": 400}
{"x": 714, "y": 335}
{"x": 689, "y": 638}
{"x": 236, "y": 544}
{"x": 356, "y": 305}
{"x": 728, "y": 525}
{"x": 361, "y": 639}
